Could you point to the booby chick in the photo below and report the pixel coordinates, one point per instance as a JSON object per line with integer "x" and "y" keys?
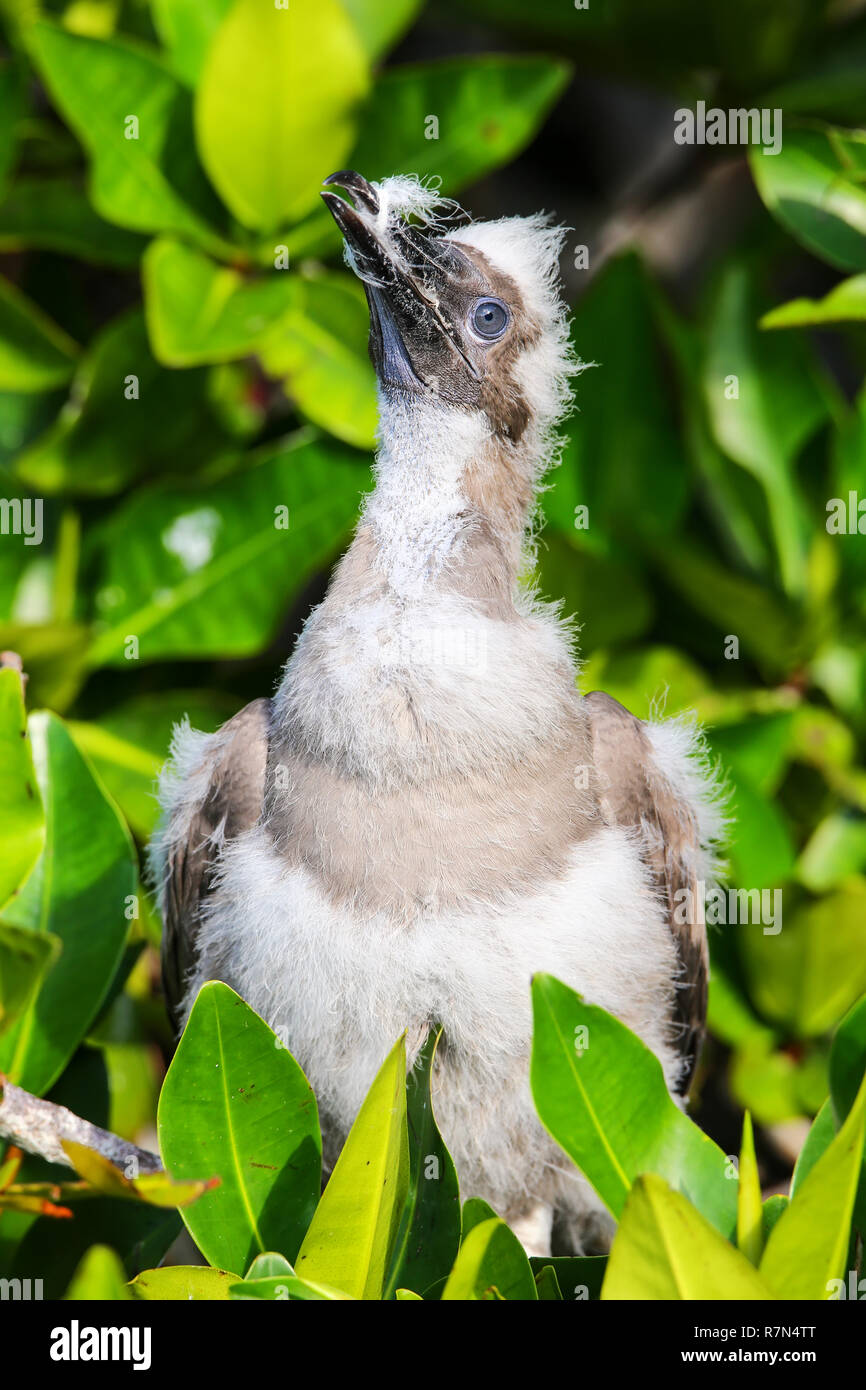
{"x": 427, "y": 812}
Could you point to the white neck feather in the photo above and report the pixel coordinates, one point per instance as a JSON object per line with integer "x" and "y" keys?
{"x": 417, "y": 507}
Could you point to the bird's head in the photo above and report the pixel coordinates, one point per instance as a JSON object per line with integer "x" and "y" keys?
{"x": 466, "y": 316}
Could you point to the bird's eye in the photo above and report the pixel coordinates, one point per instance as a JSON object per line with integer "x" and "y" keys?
{"x": 489, "y": 319}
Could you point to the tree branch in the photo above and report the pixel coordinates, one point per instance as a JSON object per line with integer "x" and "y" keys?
{"x": 38, "y": 1126}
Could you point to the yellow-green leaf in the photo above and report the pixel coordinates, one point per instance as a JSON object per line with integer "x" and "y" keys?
{"x": 664, "y": 1250}
{"x": 749, "y": 1208}
{"x": 355, "y": 1225}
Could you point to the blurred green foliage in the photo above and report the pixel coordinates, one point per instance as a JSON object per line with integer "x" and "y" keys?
{"x": 182, "y": 355}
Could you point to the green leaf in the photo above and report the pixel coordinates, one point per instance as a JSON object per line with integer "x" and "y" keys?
{"x": 381, "y": 25}
{"x": 547, "y": 1286}
{"x": 818, "y": 1140}
{"x": 235, "y": 1103}
{"x": 579, "y": 1277}
{"x": 13, "y": 107}
{"x": 664, "y": 1249}
{"x": 848, "y": 1059}
{"x": 814, "y": 188}
{"x": 152, "y": 183}
{"x": 429, "y": 1235}
{"x": 609, "y": 595}
{"x": 24, "y": 958}
{"x": 198, "y": 311}
{"x": 22, "y": 821}
{"x": 129, "y": 745}
{"x": 488, "y": 106}
{"x": 845, "y": 303}
{"x": 55, "y": 215}
{"x": 287, "y": 1288}
{"x": 99, "y": 1278}
{"x": 98, "y": 444}
{"x": 270, "y": 1265}
{"x": 806, "y": 975}
{"x": 847, "y": 1069}
{"x": 612, "y": 452}
{"x": 608, "y": 1106}
{"x": 778, "y": 406}
{"x": 265, "y": 150}
{"x": 491, "y": 1263}
{"x": 187, "y": 28}
{"x": 321, "y": 351}
{"x": 158, "y": 1189}
{"x": 183, "y": 1283}
{"x": 198, "y": 572}
{"x": 808, "y": 1246}
{"x": 35, "y": 355}
{"x": 80, "y": 890}
{"x": 772, "y": 1210}
{"x": 835, "y": 851}
{"x": 138, "y": 1233}
{"x": 353, "y": 1233}
{"x": 749, "y": 1209}
{"x": 760, "y": 848}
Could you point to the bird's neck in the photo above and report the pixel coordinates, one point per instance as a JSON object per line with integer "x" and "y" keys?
{"x": 450, "y": 506}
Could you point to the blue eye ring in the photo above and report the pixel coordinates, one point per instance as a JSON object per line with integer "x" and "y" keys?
{"x": 489, "y": 319}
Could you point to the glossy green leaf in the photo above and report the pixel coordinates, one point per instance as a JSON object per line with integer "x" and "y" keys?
{"x": 199, "y": 312}
{"x": 808, "y": 1246}
{"x": 429, "y": 1235}
{"x": 807, "y": 974}
{"x": 99, "y": 1278}
{"x": 613, "y": 453}
{"x": 847, "y": 1069}
{"x": 139, "y": 1234}
{"x": 491, "y": 1263}
{"x": 844, "y": 304}
{"x": 814, "y": 187}
{"x": 665, "y": 1250}
{"x": 834, "y": 852}
{"x": 130, "y": 743}
{"x": 187, "y": 28}
{"x": 55, "y": 215}
{"x": 24, "y": 958}
{"x": 764, "y": 402}
{"x": 488, "y": 107}
{"x": 608, "y": 1106}
{"x": 22, "y": 821}
{"x": 760, "y": 848}
{"x": 80, "y": 891}
{"x": 647, "y": 680}
{"x": 149, "y": 182}
{"x": 158, "y": 1189}
{"x": 183, "y": 1283}
{"x": 353, "y": 1233}
{"x": 282, "y": 1288}
{"x": 99, "y": 444}
{"x": 772, "y": 1210}
{"x": 321, "y": 353}
{"x": 579, "y": 1277}
{"x": 821, "y": 1134}
{"x": 235, "y": 1103}
{"x": 547, "y": 1286}
{"x": 265, "y": 150}
{"x": 270, "y": 1265}
{"x": 381, "y": 25}
{"x": 749, "y": 1209}
{"x": 35, "y": 355}
{"x": 197, "y": 572}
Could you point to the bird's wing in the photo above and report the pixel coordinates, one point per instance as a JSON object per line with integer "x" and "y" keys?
{"x": 213, "y": 791}
{"x": 635, "y": 792}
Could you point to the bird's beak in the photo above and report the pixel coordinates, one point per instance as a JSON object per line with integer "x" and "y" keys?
{"x": 403, "y": 270}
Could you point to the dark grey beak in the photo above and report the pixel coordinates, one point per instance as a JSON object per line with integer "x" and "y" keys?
{"x": 403, "y": 275}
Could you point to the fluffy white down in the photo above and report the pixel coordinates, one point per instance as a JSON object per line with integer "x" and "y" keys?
{"x": 339, "y": 988}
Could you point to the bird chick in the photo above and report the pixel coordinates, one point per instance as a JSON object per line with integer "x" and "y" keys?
{"x": 428, "y": 812}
